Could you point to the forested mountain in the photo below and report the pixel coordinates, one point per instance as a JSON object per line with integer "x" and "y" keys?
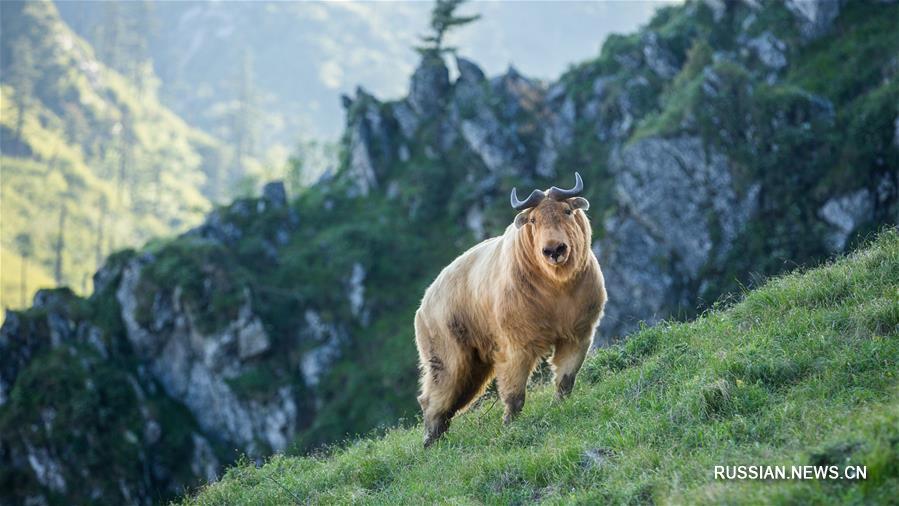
{"x": 91, "y": 160}
{"x": 248, "y": 72}
{"x": 721, "y": 144}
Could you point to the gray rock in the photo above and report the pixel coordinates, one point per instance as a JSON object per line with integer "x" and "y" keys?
{"x": 106, "y": 275}
{"x": 516, "y": 94}
{"x": 193, "y": 367}
{"x": 152, "y": 432}
{"x": 556, "y": 92}
{"x": 429, "y": 86}
{"x": 676, "y": 207}
{"x": 815, "y": 17}
{"x": 844, "y": 214}
{"x": 361, "y": 170}
{"x": 203, "y": 462}
{"x": 487, "y": 137}
{"x": 252, "y": 339}
{"x": 218, "y": 229}
{"x": 469, "y": 71}
{"x": 406, "y": 118}
{"x": 356, "y": 293}
{"x": 47, "y": 469}
{"x": 659, "y": 58}
{"x": 329, "y": 337}
{"x": 275, "y": 194}
{"x": 719, "y": 8}
{"x": 558, "y": 135}
{"x": 770, "y": 50}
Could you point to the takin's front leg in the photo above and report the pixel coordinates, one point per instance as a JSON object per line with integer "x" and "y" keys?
{"x": 512, "y": 374}
{"x": 566, "y": 362}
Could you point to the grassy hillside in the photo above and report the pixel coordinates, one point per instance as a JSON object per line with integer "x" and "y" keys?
{"x": 89, "y": 152}
{"x": 801, "y": 371}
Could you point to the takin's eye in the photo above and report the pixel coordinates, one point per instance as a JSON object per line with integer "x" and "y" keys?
{"x": 533, "y": 220}
{"x": 568, "y": 212}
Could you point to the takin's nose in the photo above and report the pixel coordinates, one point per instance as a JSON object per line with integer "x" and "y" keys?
{"x": 555, "y": 251}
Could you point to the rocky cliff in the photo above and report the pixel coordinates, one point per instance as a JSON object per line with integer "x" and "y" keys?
{"x": 711, "y": 150}
{"x": 722, "y": 143}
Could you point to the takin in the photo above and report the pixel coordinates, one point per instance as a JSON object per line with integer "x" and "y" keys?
{"x": 509, "y": 301}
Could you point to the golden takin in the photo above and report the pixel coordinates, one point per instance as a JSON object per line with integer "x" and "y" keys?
{"x": 507, "y": 302}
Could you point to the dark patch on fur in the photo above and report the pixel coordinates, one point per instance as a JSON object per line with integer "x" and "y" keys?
{"x": 437, "y": 367}
{"x": 459, "y": 330}
{"x": 480, "y": 371}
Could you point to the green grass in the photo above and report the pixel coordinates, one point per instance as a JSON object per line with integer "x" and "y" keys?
{"x": 801, "y": 371}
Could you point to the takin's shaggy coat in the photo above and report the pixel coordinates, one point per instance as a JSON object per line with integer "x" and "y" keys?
{"x": 507, "y": 302}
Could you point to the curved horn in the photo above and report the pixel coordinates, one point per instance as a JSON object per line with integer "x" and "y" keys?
{"x": 560, "y": 194}
{"x": 533, "y": 199}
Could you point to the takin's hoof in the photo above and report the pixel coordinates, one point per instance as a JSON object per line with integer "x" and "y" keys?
{"x": 435, "y": 431}
{"x": 514, "y": 404}
{"x": 564, "y": 387}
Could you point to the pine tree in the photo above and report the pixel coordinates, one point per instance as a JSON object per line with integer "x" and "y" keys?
{"x": 243, "y": 118}
{"x": 109, "y": 35}
{"x": 443, "y": 19}
{"x": 25, "y": 249}
{"x": 126, "y": 157}
{"x": 60, "y": 243}
{"x": 102, "y": 211}
{"x": 22, "y": 77}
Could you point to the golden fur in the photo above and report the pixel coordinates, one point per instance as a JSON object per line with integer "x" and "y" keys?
{"x": 501, "y": 306}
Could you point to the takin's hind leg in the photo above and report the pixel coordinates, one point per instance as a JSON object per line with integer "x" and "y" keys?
{"x": 447, "y": 391}
{"x": 437, "y": 398}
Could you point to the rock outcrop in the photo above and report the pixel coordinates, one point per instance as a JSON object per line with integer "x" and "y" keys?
{"x": 677, "y": 213}
{"x": 194, "y": 367}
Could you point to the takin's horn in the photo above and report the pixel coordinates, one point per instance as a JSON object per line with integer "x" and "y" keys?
{"x": 533, "y": 199}
{"x": 560, "y": 194}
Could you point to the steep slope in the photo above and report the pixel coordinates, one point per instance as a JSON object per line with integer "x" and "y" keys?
{"x": 94, "y": 163}
{"x": 800, "y": 372}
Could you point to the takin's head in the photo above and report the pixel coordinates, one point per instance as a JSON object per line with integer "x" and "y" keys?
{"x": 554, "y": 228}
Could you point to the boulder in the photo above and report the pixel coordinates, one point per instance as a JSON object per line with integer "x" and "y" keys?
{"x": 844, "y": 213}
{"x": 769, "y": 50}
{"x": 814, "y": 17}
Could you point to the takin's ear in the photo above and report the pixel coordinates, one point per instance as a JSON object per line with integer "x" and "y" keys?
{"x": 522, "y": 218}
{"x": 579, "y": 203}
